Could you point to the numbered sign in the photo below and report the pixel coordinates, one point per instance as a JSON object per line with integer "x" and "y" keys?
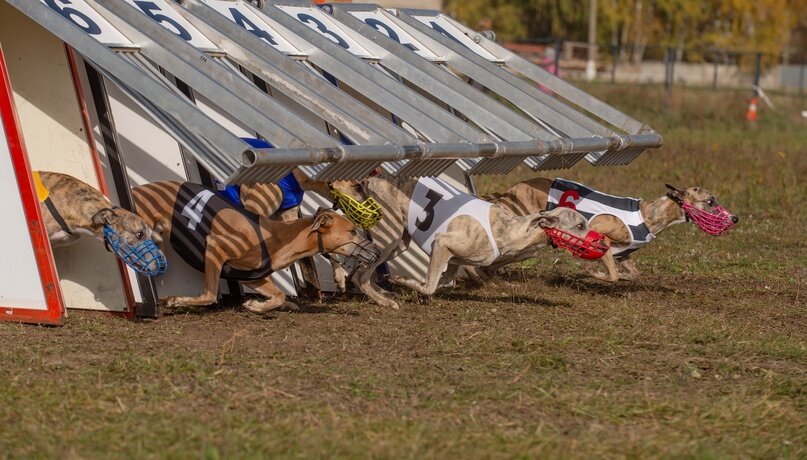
{"x": 327, "y": 27}
{"x": 88, "y": 20}
{"x": 442, "y": 25}
{"x": 161, "y": 12}
{"x": 387, "y": 26}
{"x": 242, "y": 14}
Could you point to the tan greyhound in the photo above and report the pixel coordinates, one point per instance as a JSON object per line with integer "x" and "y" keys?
{"x": 220, "y": 240}
{"x": 627, "y": 223}
{"x": 454, "y": 228}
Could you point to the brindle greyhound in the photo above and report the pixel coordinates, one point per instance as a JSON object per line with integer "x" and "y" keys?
{"x": 83, "y": 210}
{"x": 231, "y": 243}
{"x": 458, "y": 239}
{"x": 532, "y": 195}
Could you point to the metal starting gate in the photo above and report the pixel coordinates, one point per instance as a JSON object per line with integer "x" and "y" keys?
{"x": 337, "y": 90}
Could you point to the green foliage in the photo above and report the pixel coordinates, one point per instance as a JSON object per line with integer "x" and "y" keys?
{"x": 739, "y": 25}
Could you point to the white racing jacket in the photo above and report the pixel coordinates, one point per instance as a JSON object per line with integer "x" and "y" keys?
{"x": 435, "y": 203}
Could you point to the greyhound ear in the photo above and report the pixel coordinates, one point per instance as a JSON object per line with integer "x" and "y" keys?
{"x": 322, "y": 220}
{"x": 674, "y": 193}
{"x": 544, "y": 220}
{"x": 104, "y": 217}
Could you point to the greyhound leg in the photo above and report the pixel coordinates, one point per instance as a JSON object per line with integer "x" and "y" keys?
{"x": 215, "y": 256}
{"x": 612, "y": 275}
{"x": 339, "y": 276}
{"x": 630, "y": 267}
{"x": 366, "y": 285}
{"x": 441, "y": 254}
{"x": 275, "y": 297}
{"x": 449, "y": 275}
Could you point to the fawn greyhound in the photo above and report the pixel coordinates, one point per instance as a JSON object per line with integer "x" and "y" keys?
{"x": 627, "y": 223}
{"x": 215, "y": 237}
{"x": 452, "y": 227}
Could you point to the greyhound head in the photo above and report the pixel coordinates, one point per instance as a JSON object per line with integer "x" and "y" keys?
{"x": 701, "y": 206}
{"x": 129, "y": 237}
{"x": 337, "y": 235}
{"x": 568, "y": 229}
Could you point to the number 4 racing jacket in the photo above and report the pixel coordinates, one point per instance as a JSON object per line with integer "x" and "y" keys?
{"x": 591, "y": 203}
{"x": 435, "y": 203}
{"x": 195, "y": 209}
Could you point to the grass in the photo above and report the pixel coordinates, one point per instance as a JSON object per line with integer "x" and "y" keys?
{"x": 704, "y": 357}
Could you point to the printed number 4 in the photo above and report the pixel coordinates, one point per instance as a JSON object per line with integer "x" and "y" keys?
{"x": 426, "y": 223}
{"x": 193, "y": 210}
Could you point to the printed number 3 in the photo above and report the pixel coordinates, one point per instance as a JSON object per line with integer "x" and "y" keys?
{"x": 308, "y": 19}
{"x": 433, "y": 198}
{"x": 193, "y": 210}
{"x": 75, "y": 16}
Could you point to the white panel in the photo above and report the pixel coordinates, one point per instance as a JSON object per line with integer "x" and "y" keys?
{"x": 257, "y": 24}
{"x": 443, "y": 26}
{"x": 20, "y": 285}
{"x": 387, "y": 26}
{"x": 51, "y": 124}
{"x": 166, "y": 16}
{"x": 87, "y": 19}
{"x": 326, "y": 26}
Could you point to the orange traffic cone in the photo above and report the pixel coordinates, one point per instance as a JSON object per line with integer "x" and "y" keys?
{"x": 751, "y": 114}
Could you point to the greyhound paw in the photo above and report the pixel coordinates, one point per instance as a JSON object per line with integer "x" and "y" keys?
{"x": 257, "y": 306}
{"x": 389, "y": 303}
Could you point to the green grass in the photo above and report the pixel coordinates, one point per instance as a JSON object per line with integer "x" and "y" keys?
{"x": 704, "y": 357}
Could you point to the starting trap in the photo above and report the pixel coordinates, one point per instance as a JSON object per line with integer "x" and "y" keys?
{"x": 167, "y": 90}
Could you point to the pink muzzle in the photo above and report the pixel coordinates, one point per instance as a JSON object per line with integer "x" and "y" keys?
{"x": 713, "y": 222}
{"x": 592, "y": 247}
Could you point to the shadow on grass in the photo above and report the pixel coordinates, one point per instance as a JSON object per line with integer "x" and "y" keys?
{"x": 466, "y": 296}
{"x": 584, "y": 283}
{"x": 233, "y": 303}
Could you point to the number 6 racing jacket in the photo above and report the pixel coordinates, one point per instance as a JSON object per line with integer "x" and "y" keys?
{"x": 591, "y": 203}
{"x": 435, "y": 203}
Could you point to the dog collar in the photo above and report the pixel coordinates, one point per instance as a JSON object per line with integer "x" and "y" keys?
{"x": 321, "y": 247}
{"x": 43, "y": 194}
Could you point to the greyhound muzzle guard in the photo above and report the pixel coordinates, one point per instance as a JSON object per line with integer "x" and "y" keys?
{"x": 363, "y": 215}
{"x": 591, "y": 248}
{"x": 713, "y": 222}
{"x": 362, "y": 255}
{"x": 145, "y": 257}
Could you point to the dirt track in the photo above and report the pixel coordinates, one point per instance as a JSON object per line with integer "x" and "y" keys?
{"x": 705, "y": 356}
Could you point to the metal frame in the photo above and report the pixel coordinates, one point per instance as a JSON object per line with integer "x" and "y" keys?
{"x": 451, "y": 120}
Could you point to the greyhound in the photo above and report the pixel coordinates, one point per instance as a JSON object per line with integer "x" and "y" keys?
{"x": 215, "y": 237}
{"x": 627, "y": 223}
{"x": 72, "y": 208}
{"x": 453, "y": 227}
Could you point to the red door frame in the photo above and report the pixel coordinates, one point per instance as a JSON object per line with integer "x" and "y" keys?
{"x": 33, "y": 215}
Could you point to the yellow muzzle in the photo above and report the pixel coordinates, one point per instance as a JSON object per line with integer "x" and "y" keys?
{"x": 363, "y": 215}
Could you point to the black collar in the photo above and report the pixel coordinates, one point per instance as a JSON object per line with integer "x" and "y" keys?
{"x": 58, "y": 217}
{"x": 321, "y": 247}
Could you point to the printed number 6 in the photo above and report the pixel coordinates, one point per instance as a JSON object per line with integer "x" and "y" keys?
{"x": 75, "y": 16}
{"x": 308, "y": 19}
{"x": 150, "y": 7}
{"x": 193, "y": 210}
{"x": 566, "y": 199}
{"x": 433, "y": 198}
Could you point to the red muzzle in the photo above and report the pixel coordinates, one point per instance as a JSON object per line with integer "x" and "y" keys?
{"x": 591, "y": 248}
{"x": 713, "y": 222}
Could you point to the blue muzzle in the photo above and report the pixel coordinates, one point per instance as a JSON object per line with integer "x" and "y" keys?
{"x": 145, "y": 258}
